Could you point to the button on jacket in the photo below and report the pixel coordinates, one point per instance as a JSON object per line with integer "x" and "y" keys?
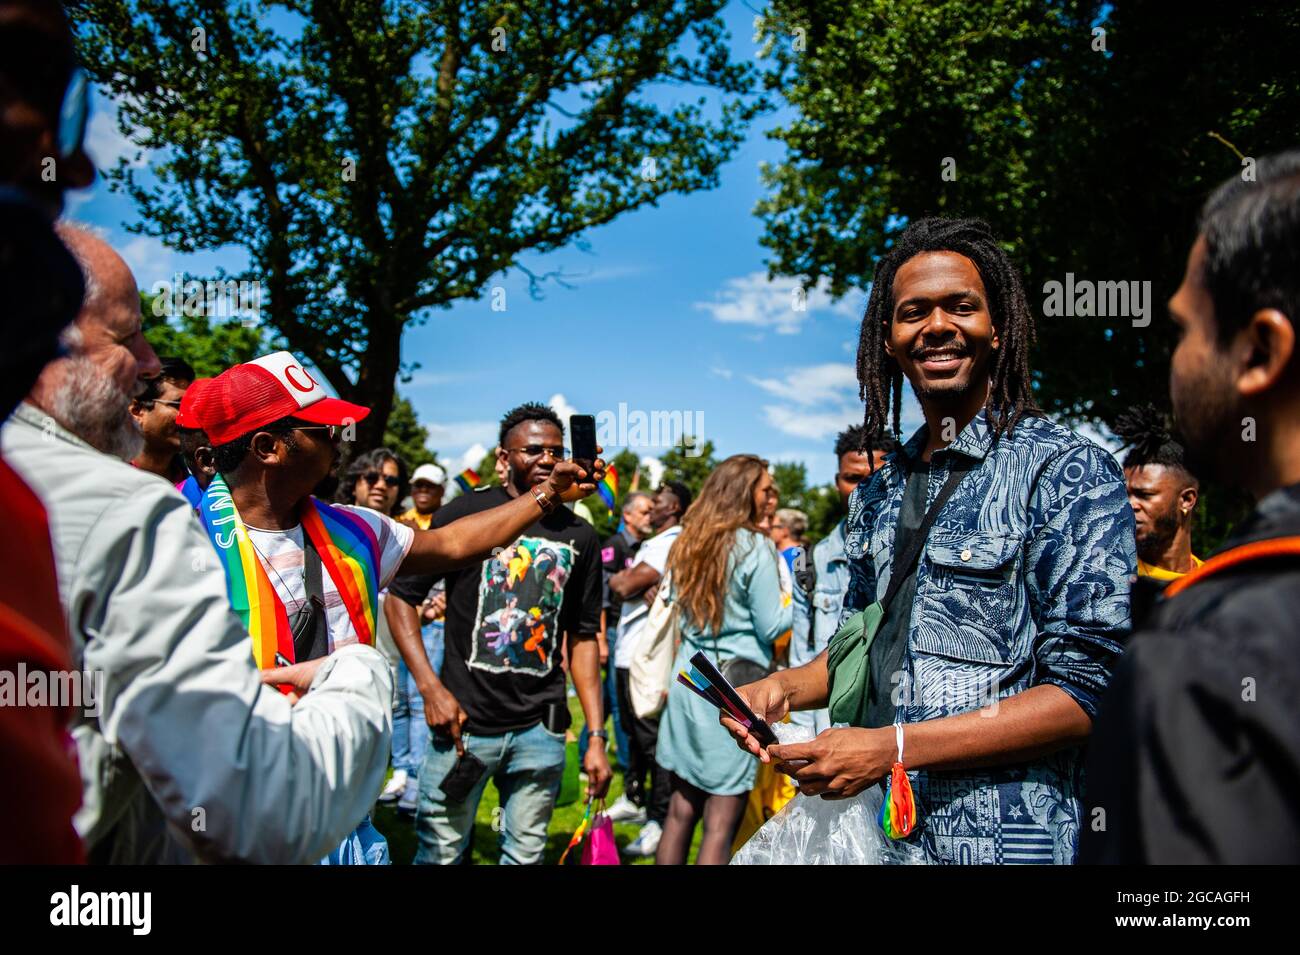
{"x": 183, "y": 732}
{"x": 1023, "y": 581}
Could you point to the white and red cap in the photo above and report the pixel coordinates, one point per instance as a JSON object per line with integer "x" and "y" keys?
{"x": 187, "y": 414}
{"x": 251, "y": 395}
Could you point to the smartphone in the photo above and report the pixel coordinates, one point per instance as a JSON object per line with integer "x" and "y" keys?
{"x": 460, "y": 782}
{"x": 582, "y": 432}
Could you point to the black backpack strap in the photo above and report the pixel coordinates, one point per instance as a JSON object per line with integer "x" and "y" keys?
{"x": 310, "y": 631}
{"x": 906, "y": 556}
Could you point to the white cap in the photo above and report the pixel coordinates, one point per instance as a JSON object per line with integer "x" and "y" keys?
{"x": 431, "y": 473}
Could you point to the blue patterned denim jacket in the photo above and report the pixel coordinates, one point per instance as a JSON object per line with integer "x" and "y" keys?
{"x": 1023, "y": 581}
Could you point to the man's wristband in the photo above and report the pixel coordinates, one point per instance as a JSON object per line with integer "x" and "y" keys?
{"x": 602, "y": 733}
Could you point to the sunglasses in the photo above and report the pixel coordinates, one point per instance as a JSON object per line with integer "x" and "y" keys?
{"x": 73, "y": 114}
{"x": 537, "y": 450}
{"x": 332, "y": 430}
{"x": 374, "y": 477}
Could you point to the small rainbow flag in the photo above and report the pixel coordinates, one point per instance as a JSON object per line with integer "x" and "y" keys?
{"x": 468, "y": 479}
{"x": 608, "y": 487}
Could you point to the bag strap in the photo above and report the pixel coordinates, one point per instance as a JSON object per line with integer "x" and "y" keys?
{"x": 905, "y": 558}
{"x": 312, "y": 640}
{"x": 1258, "y": 550}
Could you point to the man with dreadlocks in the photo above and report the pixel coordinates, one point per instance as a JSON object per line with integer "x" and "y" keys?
{"x": 1163, "y": 494}
{"x": 989, "y": 576}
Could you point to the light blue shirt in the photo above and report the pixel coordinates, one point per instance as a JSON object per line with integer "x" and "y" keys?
{"x": 692, "y": 743}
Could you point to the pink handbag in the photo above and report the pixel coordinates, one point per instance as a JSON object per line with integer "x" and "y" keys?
{"x": 600, "y": 848}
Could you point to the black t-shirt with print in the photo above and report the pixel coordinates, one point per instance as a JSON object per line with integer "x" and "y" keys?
{"x": 505, "y": 615}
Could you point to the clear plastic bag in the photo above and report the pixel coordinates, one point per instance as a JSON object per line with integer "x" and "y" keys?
{"x": 810, "y": 830}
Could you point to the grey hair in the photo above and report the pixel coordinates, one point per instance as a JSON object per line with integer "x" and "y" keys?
{"x": 632, "y": 498}
{"x": 795, "y": 520}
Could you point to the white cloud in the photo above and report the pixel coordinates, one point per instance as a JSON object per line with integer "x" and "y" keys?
{"x": 813, "y": 384}
{"x": 778, "y": 303}
{"x": 150, "y": 260}
{"x": 562, "y": 408}
{"x": 813, "y": 425}
{"x": 655, "y": 469}
{"x": 105, "y": 143}
{"x": 458, "y": 434}
{"x": 471, "y": 458}
{"x": 721, "y": 372}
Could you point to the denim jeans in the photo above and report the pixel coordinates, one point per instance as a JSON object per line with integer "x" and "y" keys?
{"x": 410, "y": 731}
{"x": 527, "y": 767}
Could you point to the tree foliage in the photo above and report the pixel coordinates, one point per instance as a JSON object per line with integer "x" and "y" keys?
{"x": 380, "y": 160}
{"x": 407, "y": 438}
{"x": 209, "y": 346}
{"x": 1084, "y": 160}
{"x": 1086, "y": 133}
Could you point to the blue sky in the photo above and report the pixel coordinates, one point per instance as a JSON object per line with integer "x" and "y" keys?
{"x": 670, "y": 311}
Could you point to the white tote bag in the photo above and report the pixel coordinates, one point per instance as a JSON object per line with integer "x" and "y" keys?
{"x": 651, "y": 672}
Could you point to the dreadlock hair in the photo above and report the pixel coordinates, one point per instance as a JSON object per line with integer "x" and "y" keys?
{"x": 1150, "y": 438}
{"x": 880, "y": 379}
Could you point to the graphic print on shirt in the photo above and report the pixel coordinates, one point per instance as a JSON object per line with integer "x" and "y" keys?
{"x": 519, "y": 598}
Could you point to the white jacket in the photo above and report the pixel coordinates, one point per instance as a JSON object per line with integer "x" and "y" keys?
{"x": 184, "y": 724}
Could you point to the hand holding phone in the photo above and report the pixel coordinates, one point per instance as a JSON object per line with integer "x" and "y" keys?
{"x": 464, "y": 776}
{"x": 582, "y": 434}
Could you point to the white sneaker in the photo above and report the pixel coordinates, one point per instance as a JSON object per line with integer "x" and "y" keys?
{"x": 647, "y": 842}
{"x": 396, "y": 786}
{"x": 625, "y": 810}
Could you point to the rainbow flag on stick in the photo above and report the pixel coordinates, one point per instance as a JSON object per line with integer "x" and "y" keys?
{"x": 468, "y": 479}
{"x": 608, "y": 487}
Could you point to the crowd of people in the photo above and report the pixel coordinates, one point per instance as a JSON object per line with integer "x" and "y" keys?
{"x": 1005, "y": 621}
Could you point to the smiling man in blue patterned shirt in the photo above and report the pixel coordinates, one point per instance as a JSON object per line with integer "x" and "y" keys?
{"x": 1005, "y": 631}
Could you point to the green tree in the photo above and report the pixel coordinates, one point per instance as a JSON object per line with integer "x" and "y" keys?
{"x": 210, "y": 347}
{"x": 1086, "y": 133}
{"x": 407, "y": 437}
{"x": 690, "y": 469}
{"x": 381, "y": 160}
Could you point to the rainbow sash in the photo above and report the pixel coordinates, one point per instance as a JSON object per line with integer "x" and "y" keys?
{"x": 349, "y": 552}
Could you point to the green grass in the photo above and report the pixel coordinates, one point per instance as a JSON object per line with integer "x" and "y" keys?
{"x": 400, "y": 830}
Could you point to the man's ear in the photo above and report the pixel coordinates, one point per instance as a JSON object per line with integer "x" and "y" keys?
{"x": 889, "y": 349}
{"x": 1268, "y": 341}
{"x": 263, "y": 448}
{"x": 137, "y": 409}
{"x": 1188, "y": 497}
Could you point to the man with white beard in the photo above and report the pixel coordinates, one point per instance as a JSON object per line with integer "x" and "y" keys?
{"x": 187, "y": 753}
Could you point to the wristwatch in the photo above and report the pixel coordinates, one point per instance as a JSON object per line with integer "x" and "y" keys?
{"x": 601, "y": 733}
{"x": 547, "y": 502}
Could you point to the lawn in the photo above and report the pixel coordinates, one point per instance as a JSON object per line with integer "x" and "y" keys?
{"x": 400, "y": 830}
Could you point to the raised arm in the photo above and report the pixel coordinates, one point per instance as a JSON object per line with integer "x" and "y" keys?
{"x": 473, "y": 537}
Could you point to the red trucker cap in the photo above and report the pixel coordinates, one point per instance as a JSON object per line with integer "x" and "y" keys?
{"x": 187, "y": 415}
{"x": 251, "y": 395}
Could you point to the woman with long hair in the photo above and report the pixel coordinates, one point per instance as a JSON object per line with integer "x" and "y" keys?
{"x": 726, "y": 590}
{"x": 377, "y": 480}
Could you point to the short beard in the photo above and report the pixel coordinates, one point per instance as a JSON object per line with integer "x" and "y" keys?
{"x": 93, "y": 407}
{"x": 1151, "y": 547}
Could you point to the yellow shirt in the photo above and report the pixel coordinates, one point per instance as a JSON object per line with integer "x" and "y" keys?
{"x": 1159, "y": 573}
{"x": 422, "y": 521}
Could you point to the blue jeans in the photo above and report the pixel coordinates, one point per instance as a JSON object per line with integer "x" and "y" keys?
{"x": 527, "y": 767}
{"x": 410, "y": 731}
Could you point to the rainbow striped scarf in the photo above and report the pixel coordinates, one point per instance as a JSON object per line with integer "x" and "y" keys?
{"x": 348, "y": 550}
